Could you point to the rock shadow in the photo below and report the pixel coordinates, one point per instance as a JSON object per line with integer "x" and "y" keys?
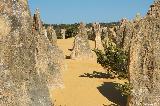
{"x": 68, "y": 57}
{"x": 108, "y": 90}
{"x": 70, "y": 49}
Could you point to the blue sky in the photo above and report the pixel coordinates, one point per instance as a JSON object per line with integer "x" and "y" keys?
{"x": 72, "y": 11}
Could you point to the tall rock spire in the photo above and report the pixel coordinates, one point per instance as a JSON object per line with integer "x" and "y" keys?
{"x": 144, "y": 64}
{"x": 20, "y": 83}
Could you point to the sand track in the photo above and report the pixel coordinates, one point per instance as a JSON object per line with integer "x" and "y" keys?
{"x": 81, "y": 91}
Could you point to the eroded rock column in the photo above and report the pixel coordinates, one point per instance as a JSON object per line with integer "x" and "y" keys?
{"x": 144, "y": 64}
{"x": 49, "y": 58}
{"x": 81, "y": 48}
{"x": 63, "y": 33}
{"x": 20, "y": 82}
{"x": 98, "y": 33}
{"x": 51, "y": 33}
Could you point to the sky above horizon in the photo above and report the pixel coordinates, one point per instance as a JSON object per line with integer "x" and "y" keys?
{"x": 88, "y": 11}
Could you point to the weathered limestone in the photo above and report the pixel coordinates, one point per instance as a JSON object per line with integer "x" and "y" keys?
{"x": 63, "y": 33}
{"x": 37, "y": 23}
{"x": 105, "y": 31}
{"x": 121, "y": 33}
{"x": 144, "y": 64}
{"x": 89, "y": 29}
{"x": 112, "y": 33}
{"x": 49, "y": 58}
{"x": 44, "y": 32}
{"x": 98, "y": 32}
{"x": 124, "y": 33}
{"x": 57, "y": 54}
{"x": 153, "y": 11}
{"x": 49, "y": 61}
{"x": 90, "y": 33}
{"x": 51, "y": 33}
{"x": 106, "y": 37}
{"x": 20, "y": 82}
{"x": 81, "y": 48}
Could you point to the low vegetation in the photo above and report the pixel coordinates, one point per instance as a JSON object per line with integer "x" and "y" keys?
{"x": 114, "y": 60}
{"x": 125, "y": 88}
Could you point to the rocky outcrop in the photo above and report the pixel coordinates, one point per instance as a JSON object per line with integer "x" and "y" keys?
{"x": 51, "y": 34}
{"x": 126, "y": 31}
{"x": 106, "y": 37}
{"x": 144, "y": 64}
{"x": 122, "y": 36}
{"x": 63, "y": 33}
{"x": 48, "y": 62}
{"x": 21, "y": 83}
{"x": 98, "y": 33}
{"x": 49, "y": 58}
{"x": 37, "y": 23}
{"x": 81, "y": 48}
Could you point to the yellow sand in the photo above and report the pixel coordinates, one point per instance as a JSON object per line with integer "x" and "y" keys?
{"x": 79, "y": 91}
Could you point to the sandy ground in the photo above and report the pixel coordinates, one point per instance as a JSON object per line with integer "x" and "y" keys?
{"x": 83, "y": 91}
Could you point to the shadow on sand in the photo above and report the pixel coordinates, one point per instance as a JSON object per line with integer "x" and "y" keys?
{"x": 70, "y": 49}
{"x": 96, "y": 74}
{"x": 68, "y": 57}
{"x": 108, "y": 90}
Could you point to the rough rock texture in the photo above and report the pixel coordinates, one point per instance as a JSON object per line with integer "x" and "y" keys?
{"x": 21, "y": 84}
{"x": 81, "y": 48}
{"x": 106, "y": 37}
{"x": 121, "y": 33}
{"x": 49, "y": 58}
{"x": 48, "y": 62}
{"x": 37, "y": 23}
{"x": 51, "y": 33}
{"x": 128, "y": 33}
{"x": 125, "y": 32}
{"x": 63, "y": 33}
{"x": 144, "y": 65}
{"x": 58, "y": 55}
{"x": 112, "y": 33}
{"x": 98, "y": 33}
{"x": 90, "y": 33}
{"x": 44, "y": 32}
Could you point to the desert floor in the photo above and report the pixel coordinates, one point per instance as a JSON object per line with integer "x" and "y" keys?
{"x": 85, "y": 91}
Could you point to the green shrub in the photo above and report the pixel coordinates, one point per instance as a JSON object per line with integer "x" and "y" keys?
{"x": 115, "y": 59}
{"x": 125, "y": 89}
{"x": 71, "y": 31}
